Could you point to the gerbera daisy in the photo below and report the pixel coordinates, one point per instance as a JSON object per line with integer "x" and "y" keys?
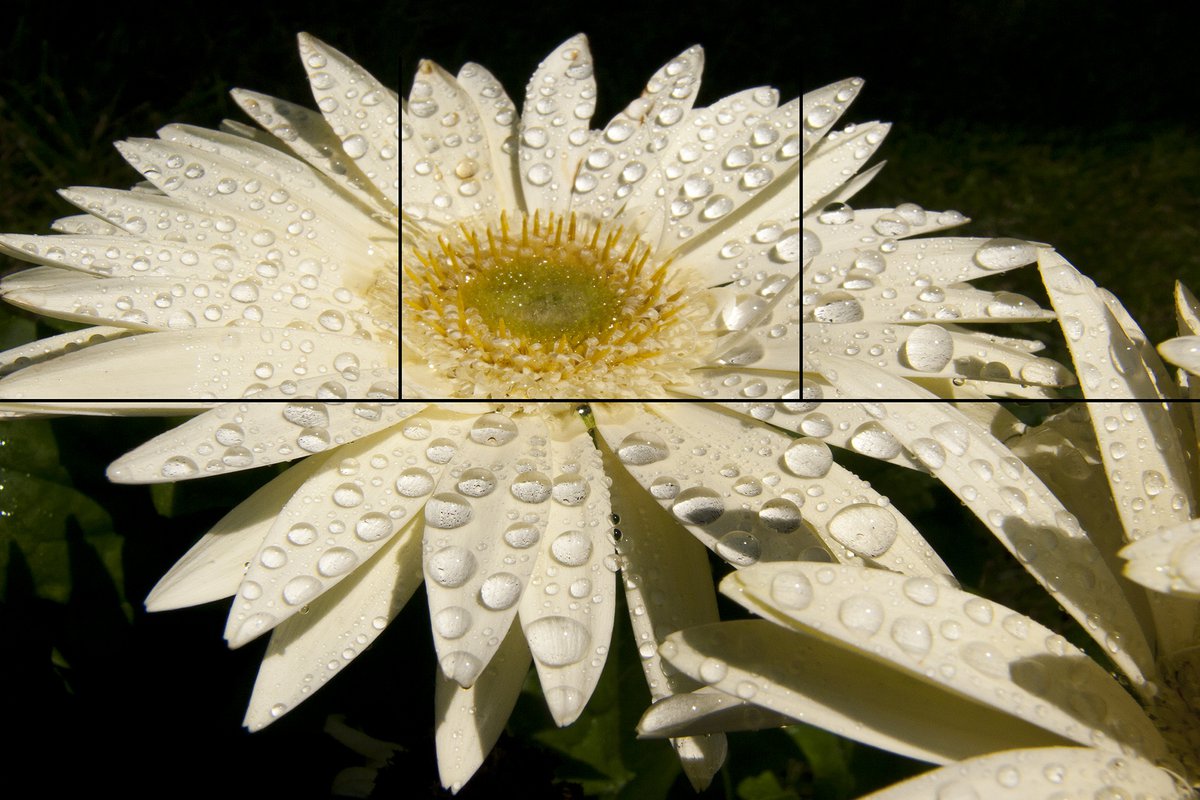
{"x": 247, "y": 262}
{"x": 1106, "y": 487}
{"x": 654, "y": 257}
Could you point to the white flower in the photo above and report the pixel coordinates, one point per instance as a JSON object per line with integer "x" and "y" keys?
{"x": 247, "y": 262}
{"x": 514, "y": 519}
{"x": 942, "y": 675}
{"x": 900, "y": 305}
{"x": 654, "y": 257}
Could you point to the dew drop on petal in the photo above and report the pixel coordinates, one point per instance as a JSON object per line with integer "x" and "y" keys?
{"x": 557, "y": 641}
{"x": 929, "y": 348}
{"x": 739, "y": 548}
{"x": 864, "y": 528}
{"x": 336, "y": 561}
{"x": 912, "y": 636}
{"x": 494, "y": 430}
{"x": 452, "y": 622}
{"x": 642, "y": 448}
{"x": 698, "y": 506}
{"x": 447, "y": 510}
{"x": 500, "y": 591}
{"x": 301, "y": 590}
{"x": 792, "y": 590}
{"x": 808, "y": 457}
{"x": 451, "y": 566}
{"x": 1001, "y": 254}
{"x": 572, "y": 548}
{"x": 862, "y": 613}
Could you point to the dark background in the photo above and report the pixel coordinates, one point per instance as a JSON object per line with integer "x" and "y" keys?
{"x": 1067, "y": 122}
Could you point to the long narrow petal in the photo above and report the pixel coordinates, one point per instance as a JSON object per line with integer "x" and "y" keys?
{"x": 307, "y": 650}
{"x": 571, "y": 595}
{"x": 469, "y": 720}
{"x": 1013, "y": 503}
{"x": 500, "y": 479}
{"x": 1043, "y": 772}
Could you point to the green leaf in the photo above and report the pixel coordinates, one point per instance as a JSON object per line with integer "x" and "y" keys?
{"x": 42, "y": 516}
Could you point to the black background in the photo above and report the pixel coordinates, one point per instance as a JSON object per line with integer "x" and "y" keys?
{"x": 1067, "y": 122}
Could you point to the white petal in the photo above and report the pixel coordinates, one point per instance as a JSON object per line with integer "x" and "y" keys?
{"x": 500, "y": 481}
{"x": 228, "y": 438}
{"x": 725, "y": 479}
{"x": 969, "y": 645}
{"x": 1167, "y": 560}
{"x": 1183, "y": 351}
{"x": 362, "y": 112}
{"x": 573, "y": 585}
{"x": 214, "y": 566}
{"x": 562, "y": 87}
{"x": 196, "y": 364}
{"x": 1044, "y": 773}
{"x": 1014, "y": 504}
{"x": 824, "y": 106}
{"x": 334, "y": 523}
{"x": 309, "y": 649}
{"x": 470, "y": 720}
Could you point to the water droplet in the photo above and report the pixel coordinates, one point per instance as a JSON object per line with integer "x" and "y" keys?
{"x": 929, "y": 348}
{"x": 532, "y": 487}
{"x": 452, "y": 622}
{"x": 862, "y": 613}
{"x": 570, "y": 489}
{"x": 921, "y": 591}
{"x": 521, "y": 536}
{"x": 447, "y": 510}
{"x": 373, "y": 526}
{"x": 1002, "y": 254}
{"x": 864, "y": 528}
{"x": 414, "y": 482}
{"x": 713, "y": 670}
{"x": 336, "y": 561}
{"x": 739, "y": 548}
{"x": 301, "y": 590}
{"x": 500, "y": 591}
{"x": 494, "y": 430}
{"x": 698, "y": 506}
{"x": 572, "y": 548}
{"x": 476, "y": 482}
{"x": 808, "y": 458}
{"x": 557, "y": 641}
{"x": 451, "y": 566}
{"x": 642, "y": 448}
{"x": 912, "y": 636}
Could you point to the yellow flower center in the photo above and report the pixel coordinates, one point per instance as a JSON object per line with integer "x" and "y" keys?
{"x": 549, "y": 306}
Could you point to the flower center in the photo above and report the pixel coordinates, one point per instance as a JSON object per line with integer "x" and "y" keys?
{"x": 543, "y": 300}
{"x": 549, "y": 306}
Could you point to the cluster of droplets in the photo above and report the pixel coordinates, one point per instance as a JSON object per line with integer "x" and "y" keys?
{"x": 745, "y": 518}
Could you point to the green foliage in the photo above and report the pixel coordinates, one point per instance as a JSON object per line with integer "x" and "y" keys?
{"x": 44, "y": 519}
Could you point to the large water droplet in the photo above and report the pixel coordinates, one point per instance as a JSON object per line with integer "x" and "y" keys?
{"x": 642, "y": 448}
{"x": 451, "y": 566}
{"x": 698, "y": 506}
{"x": 862, "y": 613}
{"x": 864, "y": 528}
{"x": 447, "y": 510}
{"x": 500, "y": 591}
{"x": 929, "y": 348}
{"x": 572, "y": 548}
{"x": 494, "y": 430}
{"x": 557, "y": 641}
